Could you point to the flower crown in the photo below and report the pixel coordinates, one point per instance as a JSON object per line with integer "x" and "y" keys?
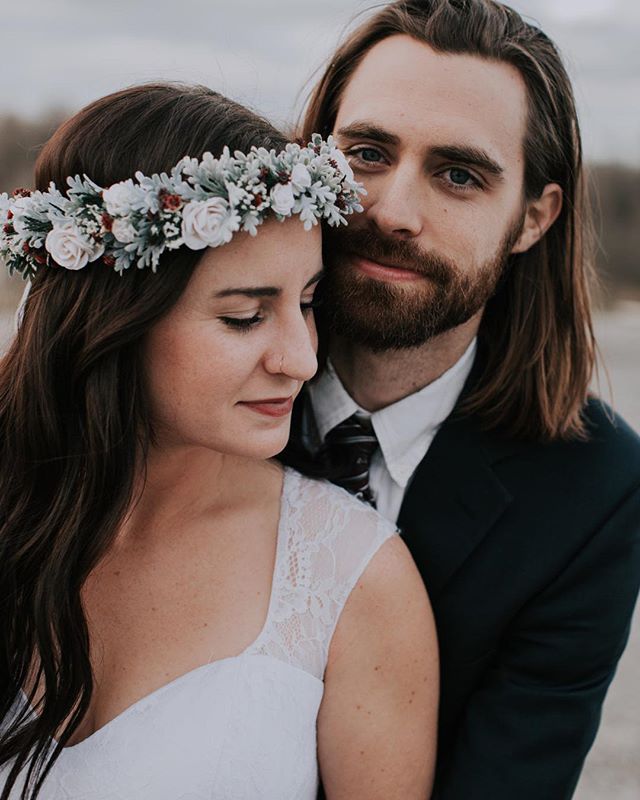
{"x": 200, "y": 204}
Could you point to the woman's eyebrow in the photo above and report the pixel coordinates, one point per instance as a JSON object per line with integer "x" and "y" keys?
{"x": 262, "y": 291}
{"x": 249, "y": 291}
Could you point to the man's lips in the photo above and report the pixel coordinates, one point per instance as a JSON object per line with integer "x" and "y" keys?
{"x": 384, "y": 272}
{"x": 270, "y": 407}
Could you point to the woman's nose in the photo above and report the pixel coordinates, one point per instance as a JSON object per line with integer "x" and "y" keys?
{"x": 294, "y": 352}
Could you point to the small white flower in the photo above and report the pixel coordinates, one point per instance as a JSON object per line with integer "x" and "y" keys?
{"x": 300, "y": 177}
{"x": 123, "y": 230}
{"x": 208, "y": 223}
{"x": 339, "y": 157}
{"x": 5, "y": 204}
{"x": 282, "y": 199}
{"x": 119, "y": 198}
{"x": 69, "y": 248}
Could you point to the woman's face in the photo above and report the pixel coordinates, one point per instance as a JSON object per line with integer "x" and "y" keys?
{"x": 224, "y": 365}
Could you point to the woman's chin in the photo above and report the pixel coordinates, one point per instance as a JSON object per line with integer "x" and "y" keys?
{"x": 260, "y": 450}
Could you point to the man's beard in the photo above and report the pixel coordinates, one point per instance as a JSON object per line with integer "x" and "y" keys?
{"x": 391, "y": 316}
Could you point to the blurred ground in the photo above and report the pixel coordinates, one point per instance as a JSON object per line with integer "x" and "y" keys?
{"x": 612, "y": 770}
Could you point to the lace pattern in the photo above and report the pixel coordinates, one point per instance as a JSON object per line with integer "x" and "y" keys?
{"x": 243, "y": 727}
{"x": 327, "y": 538}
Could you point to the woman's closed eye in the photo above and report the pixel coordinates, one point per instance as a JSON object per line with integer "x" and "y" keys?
{"x": 240, "y": 323}
{"x": 247, "y": 322}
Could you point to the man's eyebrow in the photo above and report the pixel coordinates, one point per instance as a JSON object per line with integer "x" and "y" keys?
{"x": 368, "y": 130}
{"x": 262, "y": 291}
{"x": 472, "y": 156}
{"x": 462, "y": 153}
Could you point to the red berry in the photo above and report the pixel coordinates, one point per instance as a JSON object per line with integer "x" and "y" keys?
{"x": 168, "y": 201}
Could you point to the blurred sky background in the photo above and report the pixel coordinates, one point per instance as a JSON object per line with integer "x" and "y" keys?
{"x": 63, "y": 53}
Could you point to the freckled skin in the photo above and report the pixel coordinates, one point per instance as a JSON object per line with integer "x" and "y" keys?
{"x": 199, "y": 368}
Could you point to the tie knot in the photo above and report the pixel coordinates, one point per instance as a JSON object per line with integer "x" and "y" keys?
{"x": 353, "y": 431}
{"x": 350, "y": 445}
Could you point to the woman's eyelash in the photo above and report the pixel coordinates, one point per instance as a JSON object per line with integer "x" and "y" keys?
{"x": 242, "y": 323}
{"x": 246, "y": 323}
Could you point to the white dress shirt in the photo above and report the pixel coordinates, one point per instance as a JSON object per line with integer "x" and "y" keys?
{"x": 404, "y": 429}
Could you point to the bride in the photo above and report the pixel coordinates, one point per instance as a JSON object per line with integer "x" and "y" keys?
{"x": 182, "y": 617}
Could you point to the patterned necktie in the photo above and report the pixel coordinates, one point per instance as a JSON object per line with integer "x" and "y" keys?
{"x": 350, "y": 446}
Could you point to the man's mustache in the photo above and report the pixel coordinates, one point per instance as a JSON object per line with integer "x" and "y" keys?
{"x": 401, "y": 253}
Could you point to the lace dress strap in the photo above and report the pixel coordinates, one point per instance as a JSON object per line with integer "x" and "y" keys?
{"x": 326, "y": 540}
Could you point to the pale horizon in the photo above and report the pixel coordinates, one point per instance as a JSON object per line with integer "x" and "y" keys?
{"x": 264, "y": 55}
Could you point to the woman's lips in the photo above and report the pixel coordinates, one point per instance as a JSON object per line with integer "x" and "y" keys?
{"x": 383, "y": 272}
{"x": 273, "y": 407}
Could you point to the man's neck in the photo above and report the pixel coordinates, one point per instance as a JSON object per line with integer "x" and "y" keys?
{"x": 376, "y": 380}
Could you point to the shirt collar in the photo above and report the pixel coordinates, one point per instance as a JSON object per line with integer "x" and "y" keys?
{"x": 404, "y": 429}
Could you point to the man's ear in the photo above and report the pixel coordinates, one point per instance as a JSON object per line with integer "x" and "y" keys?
{"x": 539, "y": 217}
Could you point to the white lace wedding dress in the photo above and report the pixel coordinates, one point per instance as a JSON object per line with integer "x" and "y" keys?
{"x": 241, "y": 728}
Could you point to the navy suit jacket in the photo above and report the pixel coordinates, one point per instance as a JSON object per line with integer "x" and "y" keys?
{"x": 531, "y": 557}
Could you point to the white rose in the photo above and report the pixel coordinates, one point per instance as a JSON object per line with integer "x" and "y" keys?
{"x": 208, "y": 223}
{"x": 69, "y": 248}
{"x": 123, "y": 230}
{"x": 339, "y": 157}
{"x": 300, "y": 177}
{"x": 282, "y": 199}
{"x": 117, "y": 198}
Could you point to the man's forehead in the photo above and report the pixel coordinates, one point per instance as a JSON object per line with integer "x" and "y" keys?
{"x": 425, "y": 97}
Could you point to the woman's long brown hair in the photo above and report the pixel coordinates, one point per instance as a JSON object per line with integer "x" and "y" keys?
{"x": 74, "y": 426}
{"x": 536, "y": 336}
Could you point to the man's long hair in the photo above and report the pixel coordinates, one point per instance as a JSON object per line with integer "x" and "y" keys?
{"x": 536, "y": 335}
{"x": 74, "y": 411}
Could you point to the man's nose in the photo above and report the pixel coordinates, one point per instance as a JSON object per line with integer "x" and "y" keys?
{"x": 396, "y": 207}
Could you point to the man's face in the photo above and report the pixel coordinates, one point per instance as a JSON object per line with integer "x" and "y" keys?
{"x": 437, "y": 139}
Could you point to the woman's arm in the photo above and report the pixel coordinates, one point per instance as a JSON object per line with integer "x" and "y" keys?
{"x": 378, "y": 718}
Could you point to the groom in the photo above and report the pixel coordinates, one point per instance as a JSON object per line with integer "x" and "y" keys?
{"x": 455, "y": 394}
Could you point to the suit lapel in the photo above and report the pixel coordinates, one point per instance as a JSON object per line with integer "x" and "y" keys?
{"x": 454, "y": 499}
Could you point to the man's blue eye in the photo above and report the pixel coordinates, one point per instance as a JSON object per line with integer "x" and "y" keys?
{"x": 460, "y": 177}
{"x": 368, "y": 154}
